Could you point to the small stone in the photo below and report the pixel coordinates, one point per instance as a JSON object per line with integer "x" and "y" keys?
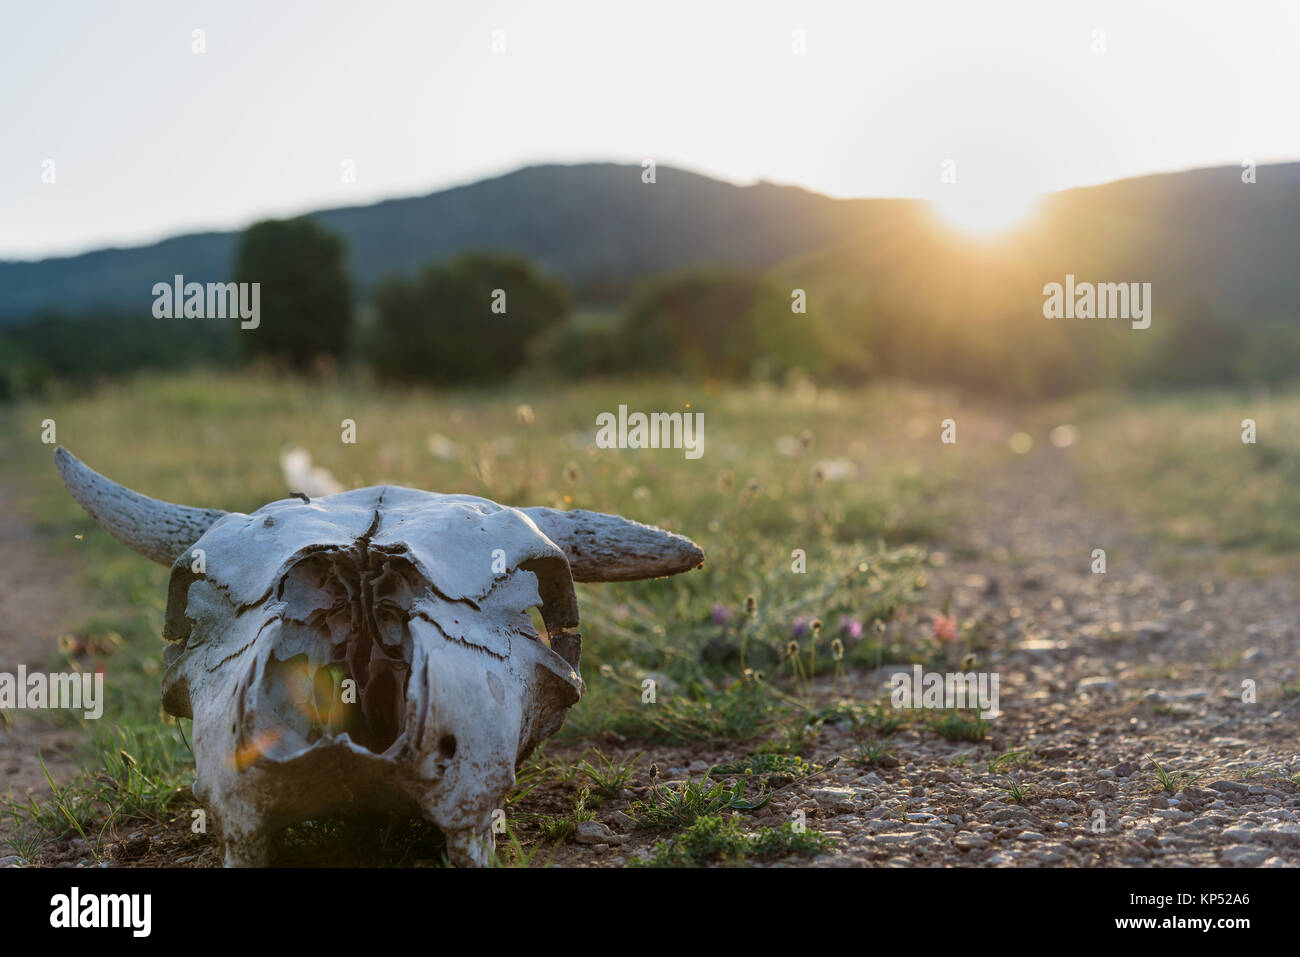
{"x": 968, "y": 841}
{"x": 1152, "y": 631}
{"x": 624, "y": 820}
{"x": 1097, "y": 683}
{"x": 1125, "y": 769}
{"x": 593, "y": 832}
{"x": 1245, "y": 855}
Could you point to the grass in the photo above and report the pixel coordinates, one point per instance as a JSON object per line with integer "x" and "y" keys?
{"x": 775, "y": 770}
{"x": 676, "y": 806}
{"x": 1015, "y": 790}
{"x": 870, "y": 754}
{"x": 713, "y": 641}
{"x": 1008, "y": 759}
{"x": 608, "y": 775}
{"x": 1172, "y": 781}
{"x": 716, "y": 839}
{"x": 959, "y": 726}
{"x": 561, "y": 827}
{"x": 1179, "y": 468}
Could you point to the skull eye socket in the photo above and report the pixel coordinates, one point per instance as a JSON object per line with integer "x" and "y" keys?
{"x": 539, "y": 623}
{"x": 447, "y": 747}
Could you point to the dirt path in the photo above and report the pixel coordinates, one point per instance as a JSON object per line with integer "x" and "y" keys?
{"x": 38, "y": 591}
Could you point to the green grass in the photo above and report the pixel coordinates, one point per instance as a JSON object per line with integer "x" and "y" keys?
{"x": 1016, "y": 792}
{"x": 1178, "y": 466}
{"x": 1172, "y": 781}
{"x": 607, "y": 775}
{"x": 960, "y": 726}
{"x": 669, "y": 807}
{"x": 715, "y": 839}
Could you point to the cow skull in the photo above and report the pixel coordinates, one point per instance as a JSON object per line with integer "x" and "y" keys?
{"x": 372, "y": 649}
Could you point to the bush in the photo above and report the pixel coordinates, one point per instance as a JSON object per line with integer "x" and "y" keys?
{"x": 306, "y": 298}
{"x": 584, "y": 348}
{"x": 442, "y": 327}
{"x": 723, "y": 325}
{"x": 81, "y": 349}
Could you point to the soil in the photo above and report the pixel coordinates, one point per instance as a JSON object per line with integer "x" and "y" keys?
{"x": 37, "y": 603}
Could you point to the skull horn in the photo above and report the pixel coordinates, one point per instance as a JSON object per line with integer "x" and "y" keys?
{"x": 157, "y": 530}
{"x": 610, "y": 548}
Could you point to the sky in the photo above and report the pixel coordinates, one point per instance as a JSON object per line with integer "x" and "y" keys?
{"x": 115, "y": 131}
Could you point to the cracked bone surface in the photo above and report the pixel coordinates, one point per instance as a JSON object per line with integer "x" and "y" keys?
{"x": 370, "y": 650}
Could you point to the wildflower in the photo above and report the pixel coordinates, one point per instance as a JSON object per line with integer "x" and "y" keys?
{"x": 800, "y": 626}
{"x": 654, "y": 772}
{"x": 945, "y": 628}
{"x": 837, "y": 649}
{"x": 850, "y": 627}
{"x": 751, "y": 605}
{"x": 607, "y": 671}
{"x": 721, "y": 613}
{"x": 816, "y": 627}
{"x": 792, "y": 648}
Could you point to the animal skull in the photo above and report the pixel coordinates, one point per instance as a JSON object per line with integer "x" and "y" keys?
{"x": 372, "y": 649}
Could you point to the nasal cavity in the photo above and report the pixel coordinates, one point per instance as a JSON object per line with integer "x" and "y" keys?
{"x": 447, "y": 747}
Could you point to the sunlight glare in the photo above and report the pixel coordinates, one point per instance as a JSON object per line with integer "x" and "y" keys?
{"x": 983, "y": 212}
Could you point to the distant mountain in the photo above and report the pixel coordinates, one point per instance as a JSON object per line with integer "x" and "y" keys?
{"x": 592, "y": 224}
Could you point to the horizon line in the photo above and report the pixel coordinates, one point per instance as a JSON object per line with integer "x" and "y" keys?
{"x": 185, "y": 232}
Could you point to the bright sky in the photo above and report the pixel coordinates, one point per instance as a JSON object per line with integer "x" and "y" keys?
{"x": 150, "y": 139}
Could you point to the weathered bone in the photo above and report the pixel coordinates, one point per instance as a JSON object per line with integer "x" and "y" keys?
{"x": 610, "y": 548}
{"x": 157, "y": 530}
{"x": 417, "y": 601}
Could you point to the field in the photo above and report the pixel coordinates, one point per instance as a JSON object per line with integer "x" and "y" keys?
{"x": 772, "y": 708}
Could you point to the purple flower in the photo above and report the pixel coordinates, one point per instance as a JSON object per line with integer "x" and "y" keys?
{"x": 801, "y": 626}
{"x": 850, "y": 626}
{"x": 721, "y": 613}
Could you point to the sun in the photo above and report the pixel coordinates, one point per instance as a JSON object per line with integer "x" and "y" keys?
{"x": 982, "y": 212}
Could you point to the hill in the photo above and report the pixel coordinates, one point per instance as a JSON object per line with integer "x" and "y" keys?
{"x": 597, "y": 225}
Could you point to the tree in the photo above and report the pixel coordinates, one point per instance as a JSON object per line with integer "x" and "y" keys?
{"x": 468, "y": 319}
{"x": 720, "y": 324}
{"x": 305, "y": 294}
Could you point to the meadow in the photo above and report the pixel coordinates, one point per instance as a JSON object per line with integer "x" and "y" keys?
{"x": 858, "y": 480}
